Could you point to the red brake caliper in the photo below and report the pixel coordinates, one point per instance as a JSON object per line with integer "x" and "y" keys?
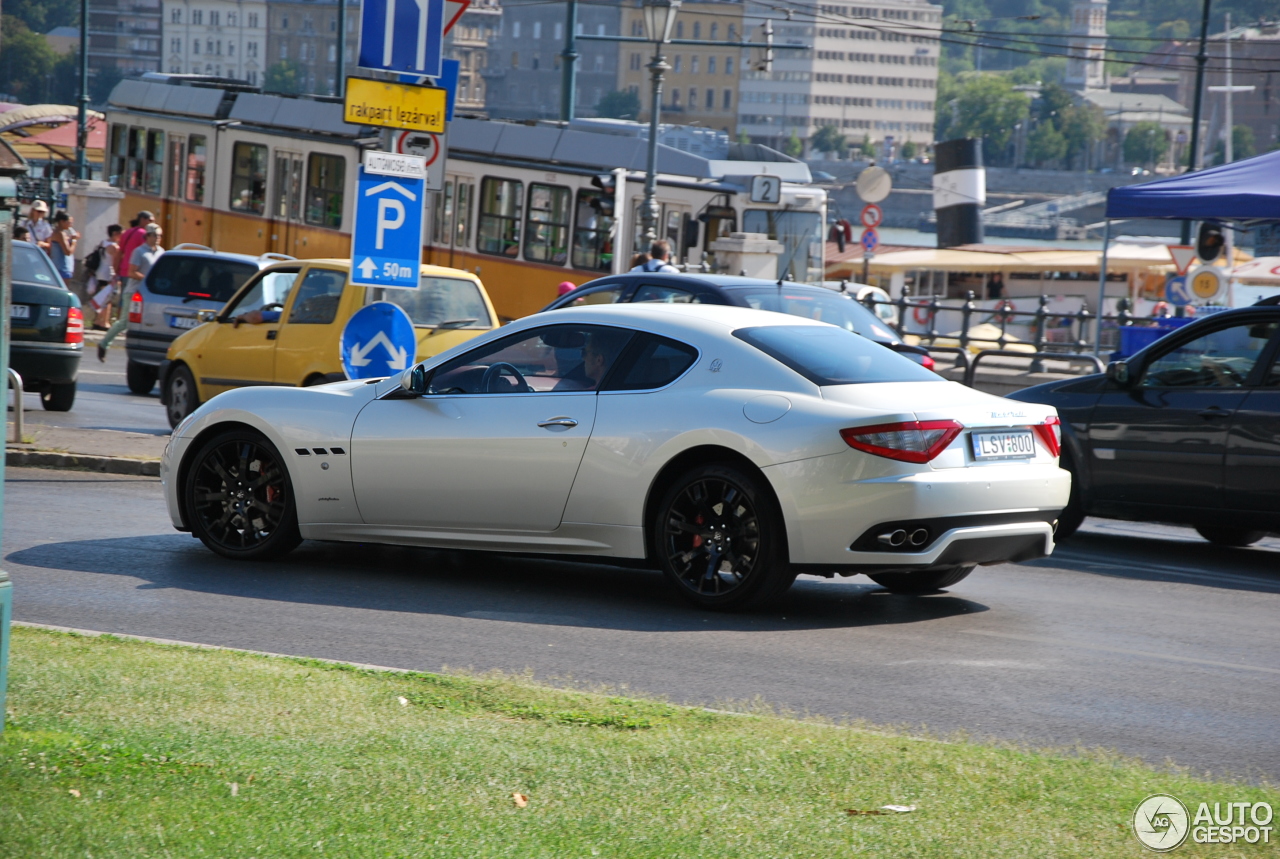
{"x": 697, "y": 538}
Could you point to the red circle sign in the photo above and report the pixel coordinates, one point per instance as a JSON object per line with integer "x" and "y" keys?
{"x": 872, "y": 215}
{"x": 422, "y": 143}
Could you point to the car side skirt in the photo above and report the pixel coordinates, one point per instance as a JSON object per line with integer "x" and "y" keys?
{"x": 608, "y": 541}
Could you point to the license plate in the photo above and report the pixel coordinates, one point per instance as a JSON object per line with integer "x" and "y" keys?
{"x": 1003, "y": 445}
{"x": 19, "y": 311}
{"x": 183, "y": 322}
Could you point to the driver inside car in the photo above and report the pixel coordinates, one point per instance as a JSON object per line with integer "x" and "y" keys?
{"x": 256, "y": 317}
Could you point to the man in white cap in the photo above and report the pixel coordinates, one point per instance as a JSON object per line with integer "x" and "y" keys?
{"x": 37, "y": 224}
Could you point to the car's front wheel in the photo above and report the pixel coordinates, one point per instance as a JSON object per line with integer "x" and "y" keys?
{"x": 141, "y": 378}
{"x": 921, "y": 583}
{"x": 59, "y": 398}
{"x": 1225, "y": 536}
{"x": 719, "y": 539}
{"x": 181, "y": 397}
{"x": 239, "y": 498}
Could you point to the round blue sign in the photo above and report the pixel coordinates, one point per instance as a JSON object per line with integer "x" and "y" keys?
{"x": 870, "y": 241}
{"x": 378, "y": 340}
{"x": 1177, "y": 291}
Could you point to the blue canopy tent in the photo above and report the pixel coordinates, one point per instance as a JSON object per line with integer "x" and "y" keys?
{"x": 1241, "y": 191}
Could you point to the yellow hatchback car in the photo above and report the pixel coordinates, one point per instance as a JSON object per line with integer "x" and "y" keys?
{"x": 284, "y": 326}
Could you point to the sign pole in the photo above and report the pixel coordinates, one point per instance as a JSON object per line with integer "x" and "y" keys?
{"x": 866, "y": 266}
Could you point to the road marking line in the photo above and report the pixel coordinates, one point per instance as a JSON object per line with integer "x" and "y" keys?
{"x": 1039, "y": 639}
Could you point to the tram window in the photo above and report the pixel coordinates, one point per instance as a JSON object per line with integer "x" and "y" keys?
{"x": 462, "y": 225}
{"x": 119, "y": 154}
{"x": 154, "y": 170}
{"x": 325, "y": 177}
{"x": 249, "y": 178}
{"x": 442, "y": 219}
{"x": 137, "y": 151}
{"x": 197, "y": 151}
{"x": 176, "y": 166}
{"x": 500, "y": 204}
{"x": 546, "y": 237}
{"x": 592, "y": 242}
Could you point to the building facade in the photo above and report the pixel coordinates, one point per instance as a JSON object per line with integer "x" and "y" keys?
{"x": 125, "y": 34}
{"x": 701, "y": 87}
{"x": 523, "y": 72}
{"x": 302, "y": 36}
{"x": 227, "y": 38}
{"x": 468, "y": 43}
{"x": 872, "y": 72}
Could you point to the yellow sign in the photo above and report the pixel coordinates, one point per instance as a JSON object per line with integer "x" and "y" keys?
{"x": 416, "y": 108}
{"x": 1206, "y": 283}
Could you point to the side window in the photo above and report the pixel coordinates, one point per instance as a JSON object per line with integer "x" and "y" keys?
{"x": 119, "y": 155}
{"x": 546, "y": 236}
{"x": 442, "y": 217}
{"x": 317, "y": 299}
{"x": 592, "y": 234}
{"x": 1219, "y": 359}
{"x": 249, "y": 178}
{"x": 658, "y": 362}
{"x": 603, "y": 295}
{"x": 197, "y": 150}
{"x": 271, "y": 290}
{"x": 554, "y": 359}
{"x": 664, "y": 295}
{"x": 154, "y": 171}
{"x": 462, "y": 224}
{"x": 325, "y": 177}
{"x": 500, "y": 210}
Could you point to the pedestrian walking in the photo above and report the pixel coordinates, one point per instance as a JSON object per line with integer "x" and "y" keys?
{"x": 140, "y": 263}
{"x": 103, "y": 263}
{"x": 659, "y": 259}
{"x": 131, "y": 240}
{"x": 37, "y": 224}
{"x": 62, "y": 245}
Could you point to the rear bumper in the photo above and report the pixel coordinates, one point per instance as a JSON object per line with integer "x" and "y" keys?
{"x": 147, "y": 347}
{"x": 52, "y": 363}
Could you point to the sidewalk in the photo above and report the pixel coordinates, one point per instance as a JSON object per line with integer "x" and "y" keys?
{"x": 110, "y": 451}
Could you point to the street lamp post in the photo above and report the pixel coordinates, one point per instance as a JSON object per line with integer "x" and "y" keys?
{"x": 659, "y": 18}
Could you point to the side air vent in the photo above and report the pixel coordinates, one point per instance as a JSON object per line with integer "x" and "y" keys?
{"x": 301, "y": 451}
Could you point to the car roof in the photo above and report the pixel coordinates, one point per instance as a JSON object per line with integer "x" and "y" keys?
{"x": 673, "y": 319}
{"x": 716, "y": 280}
{"x": 259, "y": 261}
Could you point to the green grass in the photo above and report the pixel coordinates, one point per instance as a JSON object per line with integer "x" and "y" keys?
{"x": 326, "y": 760}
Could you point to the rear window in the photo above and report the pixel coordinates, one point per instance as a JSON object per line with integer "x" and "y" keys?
{"x": 822, "y": 306}
{"x": 826, "y": 355}
{"x": 208, "y": 278}
{"x": 447, "y": 301}
{"x": 30, "y": 265}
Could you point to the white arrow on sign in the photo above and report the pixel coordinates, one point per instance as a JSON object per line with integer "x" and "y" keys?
{"x": 390, "y": 186}
{"x": 399, "y": 357}
{"x": 367, "y": 268}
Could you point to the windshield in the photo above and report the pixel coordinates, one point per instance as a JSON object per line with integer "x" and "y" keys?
{"x": 801, "y": 237}
{"x": 824, "y": 306}
{"x": 30, "y": 265}
{"x": 448, "y": 301}
{"x": 202, "y": 277}
{"x": 826, "y": 355}
{"x": 269, "y": 292}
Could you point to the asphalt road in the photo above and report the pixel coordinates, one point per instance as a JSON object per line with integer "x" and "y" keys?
{"x": 1138, "y": 638}
{"x": 103, "y": 400}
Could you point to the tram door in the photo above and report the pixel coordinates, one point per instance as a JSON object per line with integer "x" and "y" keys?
{"x": 673, "y": 228}
{"x": 286, "y": 203}
{"x": 171, "y": 214}
{"x": 451, "y": 221}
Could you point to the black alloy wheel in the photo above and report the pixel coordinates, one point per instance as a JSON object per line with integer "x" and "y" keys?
{"x": 1226, "y": 536}
{"x": 239, "y": 498}
{"x": 720, "y": 541}
{"x": 925, "y": 582}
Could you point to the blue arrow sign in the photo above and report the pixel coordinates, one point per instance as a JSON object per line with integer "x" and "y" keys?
{"x": 1177, "y": 290}
{"x": 378, "y": 340}
{"x": 403, "y": 36}
{"x": 386, "y": 241}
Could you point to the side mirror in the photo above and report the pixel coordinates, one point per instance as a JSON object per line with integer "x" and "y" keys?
{"x": 1118, "y": 372}
{"x": 206, "y": 315}
{"x": 413, "y": 381}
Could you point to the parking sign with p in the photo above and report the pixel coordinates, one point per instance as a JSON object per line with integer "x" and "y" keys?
{"x": 386, "y": 242}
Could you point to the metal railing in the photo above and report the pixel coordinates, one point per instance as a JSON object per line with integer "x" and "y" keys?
{"x": 1036, "y": 357}
{"x": 15, "y": 382}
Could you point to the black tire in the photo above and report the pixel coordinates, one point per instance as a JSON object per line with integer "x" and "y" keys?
{"x": 181, "y": 397}
{"x": 1071, "y": 517}
{"x": 141, "y": 378}
{"x": 1227, "y": 536}
{"x": 920, "y": 583}
{"x": 59, "y": 398}
{"x": 720, "y": 540}
{"x": 239, "y": 498}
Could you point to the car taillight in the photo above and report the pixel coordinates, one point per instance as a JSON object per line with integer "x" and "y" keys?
{"x": 75, "y": 326}
{"x": 1050, "y": 433}
{"x": 927, "y": 362}
{"x": 909, "y": 441}
{"x": 135, "y": 307}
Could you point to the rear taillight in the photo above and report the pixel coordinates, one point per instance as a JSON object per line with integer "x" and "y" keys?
{"x": 75, "y": 326}
{"x": 1050, "y": 433}
{"x": 135, "y": 307}
{"x": 909, "y": 441}
{"x": 927, "y": 362}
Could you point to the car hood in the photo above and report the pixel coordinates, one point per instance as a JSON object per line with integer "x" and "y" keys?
{"x": 941, "y": 400}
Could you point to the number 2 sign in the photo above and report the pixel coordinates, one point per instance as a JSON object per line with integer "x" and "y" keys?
{"x": 766, "y": 189}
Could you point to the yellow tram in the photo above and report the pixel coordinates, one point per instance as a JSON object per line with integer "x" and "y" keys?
{"x": 526, "y": 207}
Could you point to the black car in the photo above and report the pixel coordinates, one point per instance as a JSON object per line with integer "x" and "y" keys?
{"x": 47, "y": 329}
{"x": 797, "y": 299}
{"x": 1186, "y": 430}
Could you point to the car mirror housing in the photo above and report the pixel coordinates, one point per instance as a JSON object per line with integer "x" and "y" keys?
{"x": 413, "y": 381}
{"x": 1118, "y": 372}
{"x": 206, "y": 315}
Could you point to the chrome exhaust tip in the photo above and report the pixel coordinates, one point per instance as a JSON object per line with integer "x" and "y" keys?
{"x": 919, "y": 537}
{"x": 893, "y": 539}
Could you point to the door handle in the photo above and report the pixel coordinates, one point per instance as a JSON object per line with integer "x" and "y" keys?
{"x": 1214, "y": 412}
{"x": 559, "y": 422}
{"x": 271, "y": 335}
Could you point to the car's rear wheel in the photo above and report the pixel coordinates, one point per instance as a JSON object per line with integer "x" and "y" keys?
{"x": 59, "y": 398}
{"x": 141, "y": 378}
{"x": 1072, "y": 516}
{"x": 181, "y": 397}
{"x": 239, "y": 498}
{"x": 1225, "y": 536}
{"x": 921, "y": 583}
{"x": 719, "y": 539}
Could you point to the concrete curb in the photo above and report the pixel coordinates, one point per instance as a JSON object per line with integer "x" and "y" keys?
{"x": 81, "y": 462}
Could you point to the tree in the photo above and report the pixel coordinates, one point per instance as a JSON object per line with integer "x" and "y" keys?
{"x": 284, "y": 77}
{"x": 102, "y": 82}
{"x": 26, "y": 62}
{"x": 1046, "y": 143}
{"x": 988, "y": 107}
{"x": 829, "y": 139}
{"x": 1243, "y": 145}
{"x": 1145, "y": 144}
{"x": 619, "y": 104}
{"x": 794, "y": 146}
{"x": 742, "y": 137}
{"x": 909, "y": 150}
{"x": 41, "y": 16}
{"x": 1081, "y": 125}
